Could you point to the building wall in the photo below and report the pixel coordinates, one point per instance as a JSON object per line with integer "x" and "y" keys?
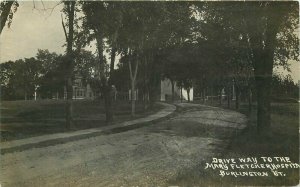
{"x": 80, "y": 91}
{"x": 166, "y": 91}
{"x": 83, "y": 92}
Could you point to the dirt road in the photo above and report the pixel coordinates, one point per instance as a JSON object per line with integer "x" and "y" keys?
{"x": 147, "y": 156}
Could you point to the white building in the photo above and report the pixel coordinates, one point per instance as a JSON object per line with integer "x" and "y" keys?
{"x": 166, "y": 91}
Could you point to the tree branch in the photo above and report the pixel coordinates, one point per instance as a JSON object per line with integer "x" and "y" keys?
{"x": 64, "y": 27}
{"x": 129, "y": 63}
{"x": 4, "y": 14}
{"x": 136, "y": 68}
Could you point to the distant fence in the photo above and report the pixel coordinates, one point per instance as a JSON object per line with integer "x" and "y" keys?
{"x": 211, "y": 97}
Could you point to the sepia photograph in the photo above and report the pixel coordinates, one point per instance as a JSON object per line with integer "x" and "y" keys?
{"x": 149, "y": 93}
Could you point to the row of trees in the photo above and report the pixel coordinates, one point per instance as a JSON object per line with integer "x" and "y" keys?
{"x": 284, "y": 86}
{"x": 258, "y": 36}
{"x": 211, "y": 44}
{"x": 137, "y": 31}
{"x": 43, "y": 75}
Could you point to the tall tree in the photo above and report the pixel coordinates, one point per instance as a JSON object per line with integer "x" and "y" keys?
{"x": 98, "y": 19}
{"x": 52, "y": 75}
{"x": 265, "y": 33}
{"x": 157, "y": 25}
{"x": 19, "y": 79}
{"x": 271, "y": 26}
{"x": 69, "y": 9}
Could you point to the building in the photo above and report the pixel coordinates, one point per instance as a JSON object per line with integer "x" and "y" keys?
{"x": 166, "y": 91}
{"x": 84, "y": 91}
{"x": 80, "y": 90}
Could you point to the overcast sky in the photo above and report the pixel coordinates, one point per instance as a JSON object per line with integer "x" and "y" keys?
{"x": 34, "y": 28}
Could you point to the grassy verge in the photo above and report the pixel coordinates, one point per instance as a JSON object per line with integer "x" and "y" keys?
{"x": 283, "y": 141}
{"x": 22, "y": 119}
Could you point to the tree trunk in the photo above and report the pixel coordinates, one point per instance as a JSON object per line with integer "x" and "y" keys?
{"x": 172, "y": 83}
{"x": 4, "y": 14}
{"x": 263, "y": 50}
{"x": 25, "y": 92}
{"x": 220, "y": 97}
{"x": 70, "y": 5}
{"x": 112, "y": 61}
{"x": 228, "y": 97}
{"x": 188, "y": 94}
{"x": 249, "y": 100}
{"x": 181, "y": 97}
{"x": 211, "y": 96}
{"x": 133, "y": 98}
{"x": 263, "y": 79}
{"x": 237, "y": 97}
{"x": 263, "y": 68}
{"x": 146, "y": 98}
{"x": 203, "y": 95}
{"x": 69, "y": 104}
{"x": 109, "y": 93}
{"x": 146, "y": 87}
{"x": 105, "y": 85}
{"x": 108, "y": 100}
{"x": 263, "y": 87}
{"x": 133, "y": 79}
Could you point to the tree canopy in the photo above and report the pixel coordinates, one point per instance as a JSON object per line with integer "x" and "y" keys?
{"x": 211, "y": 46}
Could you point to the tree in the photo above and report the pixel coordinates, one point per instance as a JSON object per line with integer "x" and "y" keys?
{"x": 134, "y": 29}
{"x": 270, "y": 26}
{"x": 157, "y": 26}
{"x": 283, "y": 87}
{"x": 85, "y": 62}
{"x": 69, "y": 9}
{"x": 269, "y": 31}
{"x": 98, "y": 20}
{"x": 20, "y": 79}
{"x": 7, "y": 73}
{"x": 178, "y": 65}
{"x": 169, "y": 69}
{"x": 52, "y": 75}
{"x": 7, "y": 10}
{"x": 134, "y": 41}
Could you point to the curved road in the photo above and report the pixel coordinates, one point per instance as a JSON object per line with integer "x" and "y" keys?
{"x": 147, "y": 156}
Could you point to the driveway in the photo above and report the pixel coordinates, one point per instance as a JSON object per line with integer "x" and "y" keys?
{"x": 147, "y": 156}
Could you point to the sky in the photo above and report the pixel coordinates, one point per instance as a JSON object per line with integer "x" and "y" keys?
{"x": 32, "y": 29}
{"x": 37, "y": 26}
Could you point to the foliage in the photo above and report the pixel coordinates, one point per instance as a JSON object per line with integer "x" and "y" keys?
{"x": 19, "y": 79}
{"x": 44, "y": 74}
{"x": 284, "y": 87}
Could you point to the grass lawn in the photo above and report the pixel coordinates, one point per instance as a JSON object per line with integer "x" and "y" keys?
{"x": 282, "y": 142}
{"x": 22, "y": 119}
